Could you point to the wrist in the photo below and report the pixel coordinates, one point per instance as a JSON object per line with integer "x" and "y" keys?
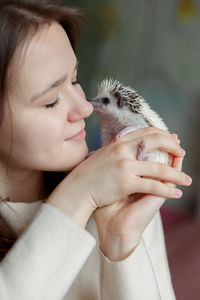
{"x": 117, "y": 249}
{"x": 78, "y": 210}
{"x": 118, "y": 257}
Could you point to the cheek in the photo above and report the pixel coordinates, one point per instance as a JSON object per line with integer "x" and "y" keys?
{"x": 45, "y": 132}
{"x": 38, "y": 142}
{"x": 39, "y": 131}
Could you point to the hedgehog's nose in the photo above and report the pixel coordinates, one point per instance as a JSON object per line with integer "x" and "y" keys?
{"x": 91, "y": 100}
{"x": 96, "y": 102}
{"x": 98, "y": 105}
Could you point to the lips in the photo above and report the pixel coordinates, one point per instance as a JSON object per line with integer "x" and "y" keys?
{"x": 78, "y": 136}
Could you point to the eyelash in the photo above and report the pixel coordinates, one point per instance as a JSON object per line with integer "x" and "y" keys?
{"x": 53, "y": 104}
{"x": 76, "y": 82}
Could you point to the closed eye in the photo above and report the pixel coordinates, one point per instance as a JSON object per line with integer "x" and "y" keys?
{"x": 53, "y": 104}
{"x": 76, "y": 82}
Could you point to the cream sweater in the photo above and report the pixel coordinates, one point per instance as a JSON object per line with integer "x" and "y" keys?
{"x": 54, "y": 258}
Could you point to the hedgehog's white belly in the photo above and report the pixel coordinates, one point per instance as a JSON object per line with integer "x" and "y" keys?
{"x": 159, "y": 156}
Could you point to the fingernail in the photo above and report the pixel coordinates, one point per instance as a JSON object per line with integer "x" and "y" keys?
{"x": 183, "y": 151}
{"x": 175, "y": 135}
{"x": 188, "y": 179}
{"x": 178, "y": 193}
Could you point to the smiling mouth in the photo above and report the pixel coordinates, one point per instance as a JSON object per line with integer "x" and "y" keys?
{"x": 77, "y": 137}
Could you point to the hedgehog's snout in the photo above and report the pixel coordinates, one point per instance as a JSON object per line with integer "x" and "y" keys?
{"x": 99, "y": 103}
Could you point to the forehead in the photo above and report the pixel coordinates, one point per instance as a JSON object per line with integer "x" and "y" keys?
{"x": 45, "y": 57}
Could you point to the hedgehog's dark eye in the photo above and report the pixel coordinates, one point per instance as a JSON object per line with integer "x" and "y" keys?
{"x": 106, "y": 100}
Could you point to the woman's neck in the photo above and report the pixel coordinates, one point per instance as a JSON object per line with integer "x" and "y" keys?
{"x": 22, "y": 186}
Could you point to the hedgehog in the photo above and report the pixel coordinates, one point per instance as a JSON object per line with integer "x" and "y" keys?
{"x": 123, "y": 110}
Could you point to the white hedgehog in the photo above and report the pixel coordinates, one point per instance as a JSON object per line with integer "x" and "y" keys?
{"x": 123, "y": 110}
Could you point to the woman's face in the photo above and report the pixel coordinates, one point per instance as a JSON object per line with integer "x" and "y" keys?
{"x": 48, "y": 106}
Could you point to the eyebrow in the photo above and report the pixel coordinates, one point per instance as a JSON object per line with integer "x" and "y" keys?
{"x": 53, "y": 85}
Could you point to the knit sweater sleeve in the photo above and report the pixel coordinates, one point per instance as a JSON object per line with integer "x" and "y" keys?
{"x": 144, "y": 274}
{"x": 46, "y": 258}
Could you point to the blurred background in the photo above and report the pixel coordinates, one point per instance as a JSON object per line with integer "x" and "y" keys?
{"x": 154, "y": 46}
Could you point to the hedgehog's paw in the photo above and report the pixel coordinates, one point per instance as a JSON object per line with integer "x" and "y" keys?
{"x": 140, "y": 152}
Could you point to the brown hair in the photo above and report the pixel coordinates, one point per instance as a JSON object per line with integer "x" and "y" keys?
{"x": 17, "y": 19}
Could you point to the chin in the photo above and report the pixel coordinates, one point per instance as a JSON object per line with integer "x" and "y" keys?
{"x": 76, "y": 163}
{"x": 78, "y": 155}
{"x": 68, "y": 159}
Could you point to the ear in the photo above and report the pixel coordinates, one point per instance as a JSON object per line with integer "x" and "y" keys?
{"x": 119, "y": 99}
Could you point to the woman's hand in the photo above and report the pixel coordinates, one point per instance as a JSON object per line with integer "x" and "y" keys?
{"x": 121, "y": 224}
{"x": 112, "y": 173}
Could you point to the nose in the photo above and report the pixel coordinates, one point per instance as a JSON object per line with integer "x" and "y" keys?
{"x": 81, "y": 108}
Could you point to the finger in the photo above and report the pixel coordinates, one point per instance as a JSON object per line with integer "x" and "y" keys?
{"x": 160, "y": 171}
{"x": 177, "y": 163}
{"x": 90, "y": 153}
{"x": 126, "y": 131}
{"x": 175, "y": 136}
{"x": 134, "y": 132}
{"x": 131, "y": 132}
{"x": 157, "y": 188}
{"x": 170, "y": 184}
{"x": 160, "y": 142}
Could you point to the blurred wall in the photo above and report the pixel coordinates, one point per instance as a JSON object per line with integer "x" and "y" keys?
{"x": 153, "y": 46}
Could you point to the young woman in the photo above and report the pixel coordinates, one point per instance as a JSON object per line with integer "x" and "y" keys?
{"x": 72, "y": 236}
